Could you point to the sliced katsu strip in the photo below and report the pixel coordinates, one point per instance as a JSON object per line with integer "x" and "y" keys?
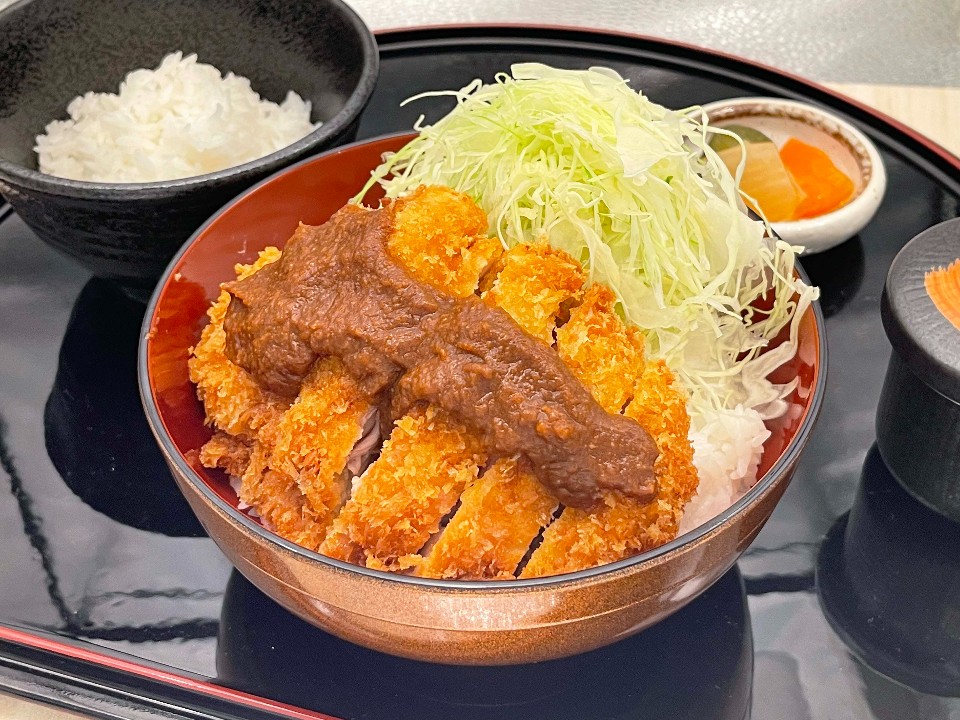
{"x": 270, "y": 444}
{"x": 608, "y": 358}
{"x": 532, "y": 284}
{"x": 503, "y": 512}
{"x": 279, "y": 502}
{"x": 316, "y": 435}
{"x": 275, "y": 499}
{"x": 233, "y": 400}
{"x": 500, "y": 515}
{"x": 440, "y": 237}
{"x": 601, "y": 350}
{"x": 230, "y": 453}
{"x": 399, "y": 502}
{"x": 659, "y": 405}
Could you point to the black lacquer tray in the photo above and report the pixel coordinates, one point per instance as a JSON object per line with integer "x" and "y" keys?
{"x": 113, "y": 602}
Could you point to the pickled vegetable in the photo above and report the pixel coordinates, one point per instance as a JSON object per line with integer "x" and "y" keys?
{"x": 797, "y": 181}
{"x": 766, "y": 180}
{"x": 825, "y": 186}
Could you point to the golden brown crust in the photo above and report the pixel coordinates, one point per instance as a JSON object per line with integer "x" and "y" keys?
{"x": 440, "y": 237}
{"x": 400, "y": 500}
{"x": 608, "y": 358}
{"x": 532, "y": 283}
{"x": 290, "y": 458}
{"x": 503, "y": 512}
{"x": 659, "y": 405}
{"x": 499, "y": 516}
{"x": 314, "y": 437}
{"x": 597, "y": 346}
{"x": 279, "y": 502}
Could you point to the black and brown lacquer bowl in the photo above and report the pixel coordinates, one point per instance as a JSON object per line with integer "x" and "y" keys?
{"x": 54, "y": 50}
{"x": 445, "y": 621}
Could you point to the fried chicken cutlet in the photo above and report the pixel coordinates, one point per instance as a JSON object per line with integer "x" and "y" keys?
{"x": 295, "y": 454}
{"x": 270, "y": 444}
{"x": 440, "y": 237}
{"x": 502, "y": 513}
{"x": 306, "y": 447}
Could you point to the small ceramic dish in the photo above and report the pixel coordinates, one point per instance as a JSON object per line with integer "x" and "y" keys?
{"x": 850, "y": 150}
{"x": 450, "y": 621}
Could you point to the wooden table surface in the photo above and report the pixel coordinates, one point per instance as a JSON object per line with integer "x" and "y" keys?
{"x": 933, "y": 111}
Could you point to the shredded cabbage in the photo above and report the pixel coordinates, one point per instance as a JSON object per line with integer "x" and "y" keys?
{"x": 634, "y": 192}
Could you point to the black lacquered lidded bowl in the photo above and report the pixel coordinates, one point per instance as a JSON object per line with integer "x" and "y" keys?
{"x": 918, "y": 419}
{"x": 887, "y": 577}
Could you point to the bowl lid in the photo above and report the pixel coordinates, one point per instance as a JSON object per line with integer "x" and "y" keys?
{"x": 921, "y": 307}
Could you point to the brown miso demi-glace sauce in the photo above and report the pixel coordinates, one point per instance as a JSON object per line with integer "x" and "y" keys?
{"x": 337, "y": 291}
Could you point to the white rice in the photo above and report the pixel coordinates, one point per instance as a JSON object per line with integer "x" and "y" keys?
{"x": 727, "y": 446}
{"x": 180, "y": 120}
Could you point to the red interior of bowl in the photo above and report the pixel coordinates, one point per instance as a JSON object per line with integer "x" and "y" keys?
{"x": 267, "y": 215}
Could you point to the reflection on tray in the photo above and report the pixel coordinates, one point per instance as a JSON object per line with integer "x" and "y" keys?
{"x": 95, "y": 431}
{"x": 697, "y": 663}
{"x": 888, "y": 575}
{"x": 838, "y": 273}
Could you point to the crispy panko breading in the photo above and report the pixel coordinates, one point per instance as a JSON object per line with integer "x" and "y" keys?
{"x": 399, "y": 501}
{"x": 608, "y": 358}
{"x": 659, "y": 405}
{"x": 279, "y": 502}
{"x": 600, "y": 350}
{"x": 315, "y": 436}
{"x": 499, "y": 516}
{"x": 504, "y": 511}
{"x": 233, "y": 400}
{"x": 532, "y": 283}
{"x": 440, "y": 237}
{"x": 290, "y": 458}
{"x": 272, "y": 495}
